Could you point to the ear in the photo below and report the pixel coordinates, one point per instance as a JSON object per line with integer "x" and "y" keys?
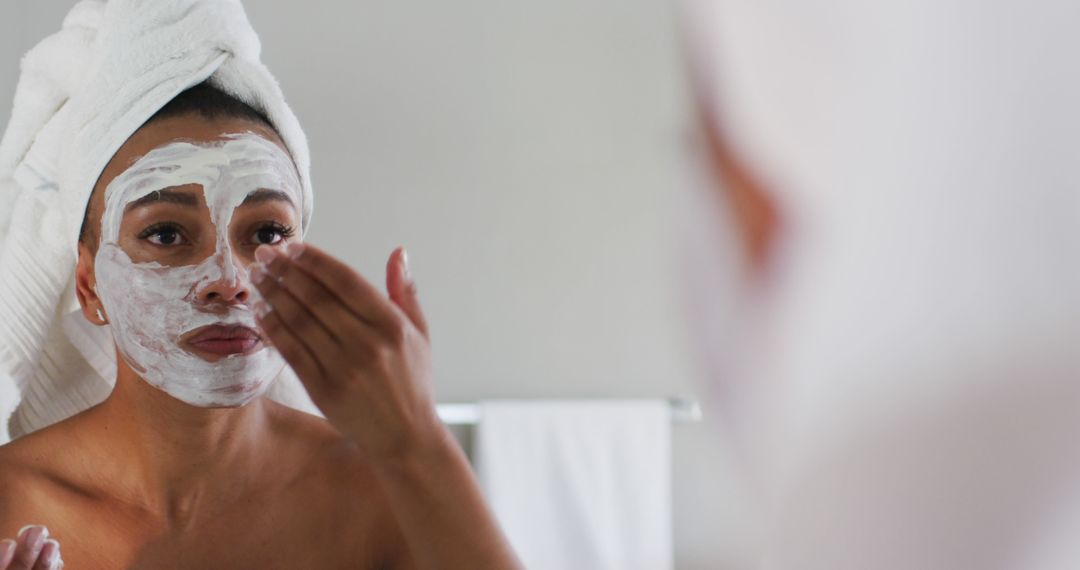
{"x": 86, "y": 288}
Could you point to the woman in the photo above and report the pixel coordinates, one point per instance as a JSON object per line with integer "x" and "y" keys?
{"x": 190, "y": 252}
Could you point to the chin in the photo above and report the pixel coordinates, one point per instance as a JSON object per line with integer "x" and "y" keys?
{"x": 230, "y": 396}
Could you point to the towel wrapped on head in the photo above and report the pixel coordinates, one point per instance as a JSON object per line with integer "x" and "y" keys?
{"x": 82, "y": 92}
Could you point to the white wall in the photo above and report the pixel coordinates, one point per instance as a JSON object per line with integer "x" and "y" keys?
{"x": 528, "y": 154}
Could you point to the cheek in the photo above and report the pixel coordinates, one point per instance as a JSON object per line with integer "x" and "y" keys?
{"x": 148, "y": 294}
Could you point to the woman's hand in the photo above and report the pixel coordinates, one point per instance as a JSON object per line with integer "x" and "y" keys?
{"x": 364, "y": 357}
{"x": 365, "y": 360}
{"x": 31, "y": 550}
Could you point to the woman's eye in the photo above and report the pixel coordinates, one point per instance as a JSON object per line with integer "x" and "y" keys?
{"x": 267, "y": 236}
{"x": 272, "y": 234}
{"x": 163, "y": 235}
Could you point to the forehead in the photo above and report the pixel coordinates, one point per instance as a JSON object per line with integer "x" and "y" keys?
{"x": 242, "y": 159}
{"x": 190, "y": 128}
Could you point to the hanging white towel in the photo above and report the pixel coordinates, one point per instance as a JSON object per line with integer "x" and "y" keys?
{"x": 580, "y": 485}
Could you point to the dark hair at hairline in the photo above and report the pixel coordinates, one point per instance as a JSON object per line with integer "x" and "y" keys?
{"x": 206, "y": 101}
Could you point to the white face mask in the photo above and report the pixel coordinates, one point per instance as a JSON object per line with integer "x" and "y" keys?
{"x": 151, "y": 307}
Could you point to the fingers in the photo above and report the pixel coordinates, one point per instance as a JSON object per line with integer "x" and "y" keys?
{"x": 402, "y": 289}
{"x": 354, "y": 292}
{"x": 286, "y": 303}
{"x": 311, "y": 311}
{"x": 49, "y": 559}
{"x": 28, "y": 547}
{"x": 33, "y": 550}
{"x": 7, "y": 553}
{"x": 292, "y": 349}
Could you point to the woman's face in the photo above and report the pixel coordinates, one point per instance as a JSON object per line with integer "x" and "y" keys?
{"x": 183, "y": 206}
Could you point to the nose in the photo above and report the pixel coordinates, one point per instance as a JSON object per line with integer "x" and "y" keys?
{"x": 225, "y": 291}
{"x": 231, "y": 288}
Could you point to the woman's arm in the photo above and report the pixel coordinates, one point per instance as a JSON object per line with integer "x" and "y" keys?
{"x": 441, "y": 511}
{"x": 365, "y": 360}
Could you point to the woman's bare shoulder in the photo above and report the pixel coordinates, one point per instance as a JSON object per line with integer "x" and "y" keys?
{"x": 34, "y": 455}
{"x": 330, "y": 460}
{"x": 314, "y": 442}
{"x": 32, "y": 475}
{"x": 338, "y": 486}
{"x": 294, "y": 429}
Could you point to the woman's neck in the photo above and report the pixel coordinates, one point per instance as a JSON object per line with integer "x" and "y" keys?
{"x": 181, "y": 462}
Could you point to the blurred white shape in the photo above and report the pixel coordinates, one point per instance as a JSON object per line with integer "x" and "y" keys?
{"x": 914, "y": 380}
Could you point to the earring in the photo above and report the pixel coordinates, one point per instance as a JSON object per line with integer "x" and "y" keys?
{"x": 100, "y": 316}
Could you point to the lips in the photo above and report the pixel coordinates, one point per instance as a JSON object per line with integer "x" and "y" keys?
{"x": 225, "y": 340}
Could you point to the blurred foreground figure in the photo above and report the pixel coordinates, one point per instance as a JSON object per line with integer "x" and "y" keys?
{"x": 901, "y": 356}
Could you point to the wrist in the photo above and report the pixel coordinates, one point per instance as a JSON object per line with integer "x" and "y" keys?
{"x": 427, "y": 451}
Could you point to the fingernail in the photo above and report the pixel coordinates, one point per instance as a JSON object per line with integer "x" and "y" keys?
{"x": 7, "y": 548}
{"x": 35, "y": 537}
{"x": 265, "y": 253}
{"x": 24, "y": 529}
{"x": 53, "y": 560}
{"x": 405, "y": 263}
{"x": 258, "y": 271}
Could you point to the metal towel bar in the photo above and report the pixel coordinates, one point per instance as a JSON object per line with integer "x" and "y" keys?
{"x": 683, "y": 410}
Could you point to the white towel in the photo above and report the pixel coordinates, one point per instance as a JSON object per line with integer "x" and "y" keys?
{"x": 580, "y": 485}
{"x": 82, "y": 92}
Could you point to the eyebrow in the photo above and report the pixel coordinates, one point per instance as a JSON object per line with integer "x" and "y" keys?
{"x": 264, "y": 195}
{"x": 189, "y": 199}
{"x": 165, "y": 195}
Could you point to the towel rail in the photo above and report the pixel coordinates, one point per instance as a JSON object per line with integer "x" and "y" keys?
{"x": 683, "y": 410}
